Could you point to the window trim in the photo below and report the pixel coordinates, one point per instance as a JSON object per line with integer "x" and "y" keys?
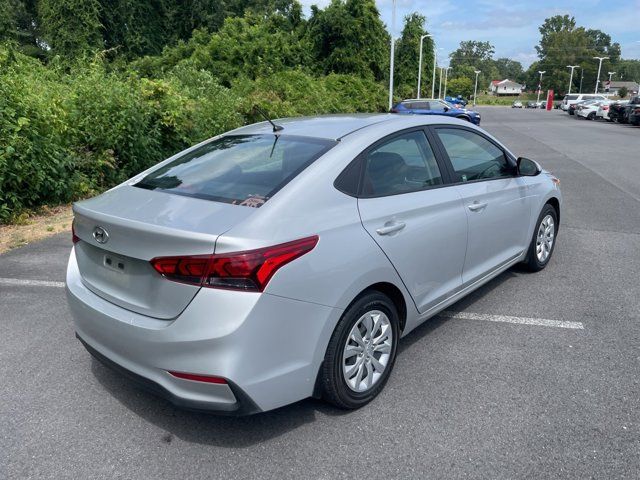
{"x": 455, "y": 176}
{"x": 442, "y": 166}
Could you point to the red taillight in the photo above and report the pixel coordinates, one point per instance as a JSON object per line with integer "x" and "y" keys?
{"x": 199, "y": 378}
{"x": 604, "y": 107}
{"x": 74, "y": 238}
{"x": 249, "y": 271}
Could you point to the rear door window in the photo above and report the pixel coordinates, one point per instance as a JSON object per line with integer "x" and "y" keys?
{"x": 403, "y": 164}
{"x": 245, "y": 170}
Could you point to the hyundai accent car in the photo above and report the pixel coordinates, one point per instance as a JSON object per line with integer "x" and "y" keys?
{"x": 279, "y": 262}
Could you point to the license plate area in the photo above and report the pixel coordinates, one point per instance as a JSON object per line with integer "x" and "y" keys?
{"x": 114, "y": 263}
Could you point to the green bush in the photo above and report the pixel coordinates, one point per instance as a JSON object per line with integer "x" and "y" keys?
{"x": 68, "y": 135}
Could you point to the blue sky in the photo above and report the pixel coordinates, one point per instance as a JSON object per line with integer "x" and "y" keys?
{"x": 512, "y": 26}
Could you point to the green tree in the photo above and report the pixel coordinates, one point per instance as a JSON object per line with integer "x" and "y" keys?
{"x": 623, "y": 92}
{"x": 71, "y": 27}
{"x": 460, "y": 86}
{"x": 474, "y": 55}
{"x": 349, "y": 37}
{"x": 510, "y": 69}
{"x": 408, "y": 56}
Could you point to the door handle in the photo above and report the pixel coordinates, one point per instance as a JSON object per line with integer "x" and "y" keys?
{"x": 390, "y": 227}
{"x": 477, "y": 206}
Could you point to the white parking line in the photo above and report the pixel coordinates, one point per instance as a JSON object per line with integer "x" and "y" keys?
{"x": 541, "y": 322}
{"x": 30, "y": 283}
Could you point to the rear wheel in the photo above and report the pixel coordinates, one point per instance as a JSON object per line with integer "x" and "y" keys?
{"x": 361, "y": 352}
{"x": 591, "y": 116}
{"x": 544, "y": 239}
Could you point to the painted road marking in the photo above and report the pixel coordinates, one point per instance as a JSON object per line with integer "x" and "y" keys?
{"x": 540, "y": 322}
{"x": 30, "y": 283}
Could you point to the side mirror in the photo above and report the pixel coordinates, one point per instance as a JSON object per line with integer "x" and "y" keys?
{"x": 527, "y": 167}
{"x": 446, "y": 109}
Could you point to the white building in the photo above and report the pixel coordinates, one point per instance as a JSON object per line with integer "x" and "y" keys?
{"x": 613, "y": 87}
{"x": 505, "y": 87}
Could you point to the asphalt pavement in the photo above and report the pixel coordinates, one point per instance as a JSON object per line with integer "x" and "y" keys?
{"x": 471, "y": 396}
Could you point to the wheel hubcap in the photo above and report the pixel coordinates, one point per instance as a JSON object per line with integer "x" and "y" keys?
{"x": 545, "y": 238}
{"x": 367, "y": 351}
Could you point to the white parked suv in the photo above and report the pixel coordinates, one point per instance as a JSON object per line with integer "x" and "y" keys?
{"x": 578, "y": 97}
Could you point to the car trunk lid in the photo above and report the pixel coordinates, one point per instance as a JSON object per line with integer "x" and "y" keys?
{"x": 121, "y": 230}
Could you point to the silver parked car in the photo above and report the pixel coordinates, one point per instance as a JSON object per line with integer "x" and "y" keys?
{"x": 275, "y": 263}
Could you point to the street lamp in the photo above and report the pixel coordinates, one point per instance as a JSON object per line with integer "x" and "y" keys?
{"x": 581, "y": 78}
{"x": 571, "y": 77}
{"x": 435, "y": 66}
{"x": 540, "y": 84}
{"x": 393, "y": 51}
{"x": 599, "y": 67}
{"x": 420, "y": 62}
{"x": 475, "y": 89}
{"x": 440, "y": 83}
{"x": 446, "y": 72}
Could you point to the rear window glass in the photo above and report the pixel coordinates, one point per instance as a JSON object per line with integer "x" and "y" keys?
{"x": 571, "y": 97}
{"x": 243, "y": 170}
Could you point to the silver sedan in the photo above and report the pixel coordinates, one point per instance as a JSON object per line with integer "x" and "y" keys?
{"x": 278, "y": 262}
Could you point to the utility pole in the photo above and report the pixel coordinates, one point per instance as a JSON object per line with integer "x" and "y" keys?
{"x": 581, "y": 78}
{"x": 571, "y": 76}
{"x": 475, "y": 89}
{"x": 393, "y": 51}
{"x": 599, "y": 68}
{"x": 610, "y": 75}
{"x": 440, "y": 83}
{"x": 446, "y": 73}
{"x": 420, "y": 63}
{"x": 540, "y": 85}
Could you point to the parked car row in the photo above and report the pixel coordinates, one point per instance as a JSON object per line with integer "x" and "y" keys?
{"x": 598, "y": 107}
{"x": 529, "y": 104}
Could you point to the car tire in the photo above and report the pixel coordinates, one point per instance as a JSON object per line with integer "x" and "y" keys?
{"x": 464, "y": 117}
{"x": 343, "y": 386}
{"x": 591, "y": 116}
{"x": 534, "y": 261}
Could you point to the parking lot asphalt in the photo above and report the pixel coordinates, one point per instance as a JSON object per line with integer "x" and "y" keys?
{"x": 468, "y": 398}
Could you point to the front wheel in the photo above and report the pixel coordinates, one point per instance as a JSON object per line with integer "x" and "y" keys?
{"x": 591, "y": 116}
{"x": 361, "y": 352}
{"x": 544, "y": 239}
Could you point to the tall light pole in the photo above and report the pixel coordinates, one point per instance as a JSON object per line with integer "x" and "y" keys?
{"x": 599, "y": 68}
{"x": 571, "y": 76}
{"x": 440, "y": 83}
{"x": 446, "y": 73}
{"x": 581, "y": 78}
{"x": 540, "y": 84}
{"x": 393, "y": 52}
{"x": 435, "y": 66}
{"x": 475, "y": 89}
{"x": 420, "y": 62}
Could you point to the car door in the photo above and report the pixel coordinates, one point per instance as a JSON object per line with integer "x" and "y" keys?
{"x": 497, "y": 202}
{"x": 416, "y": 217}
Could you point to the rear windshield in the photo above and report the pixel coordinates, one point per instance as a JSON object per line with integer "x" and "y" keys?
{"x": 244, "y": 170}
{"x": 571, "y": 97}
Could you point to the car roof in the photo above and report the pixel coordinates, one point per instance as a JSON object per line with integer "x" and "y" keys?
{"x": 335, "y": 127}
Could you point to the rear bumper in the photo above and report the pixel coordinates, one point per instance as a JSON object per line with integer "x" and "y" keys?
{"x": 243, "y": 405}
{"x": 268, "y": 348}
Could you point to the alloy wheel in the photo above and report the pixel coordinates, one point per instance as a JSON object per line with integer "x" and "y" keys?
{"x": 367, "y": 351}
{"x": 545, "y": 238}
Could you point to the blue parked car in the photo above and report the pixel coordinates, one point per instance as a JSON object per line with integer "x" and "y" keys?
{"x": 456, "y": 101}
{"x": 436, "y": 107}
